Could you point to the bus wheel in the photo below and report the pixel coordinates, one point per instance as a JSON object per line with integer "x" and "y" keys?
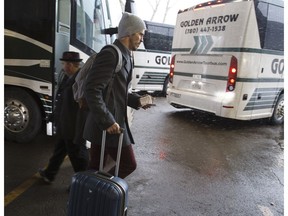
{"x": 278, "y": 113}
{"x": 22, "y": 116}
{"x": 165, "y": 86}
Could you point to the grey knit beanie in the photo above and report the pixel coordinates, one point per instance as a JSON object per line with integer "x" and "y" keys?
{"x": 130, "y": 24}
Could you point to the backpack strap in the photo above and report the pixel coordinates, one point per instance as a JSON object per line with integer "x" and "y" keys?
{"x": 117, "y": 69}
{"x": 119, "y": 54}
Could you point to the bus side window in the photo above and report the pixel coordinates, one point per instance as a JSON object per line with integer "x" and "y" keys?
{"x": 261, "y": 14}
{"x": 63, "y": 19}
{"x": 275, "y": 29}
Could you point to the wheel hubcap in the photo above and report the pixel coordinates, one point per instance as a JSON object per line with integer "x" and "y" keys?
{"x": 16, "y": 116}
{"x": 280, "y": 110}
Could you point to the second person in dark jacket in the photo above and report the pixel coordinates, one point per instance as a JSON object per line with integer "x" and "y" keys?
{"x": 69, "y": 121}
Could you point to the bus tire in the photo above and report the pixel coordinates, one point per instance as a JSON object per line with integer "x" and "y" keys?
{"x": 22, "y": 116}
{"x": 165, "y": 86}
{"x": 278, "y": 113}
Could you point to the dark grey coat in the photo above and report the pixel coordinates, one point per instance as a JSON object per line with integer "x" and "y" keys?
{"x": 101, "y": 115}
{"x": 67, "y": 114}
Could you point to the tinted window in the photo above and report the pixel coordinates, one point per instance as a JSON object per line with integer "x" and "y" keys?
{"x": 274, "y": 38}
{"x": 32, "y": 18}
{"x": 270, "y": 19}
{"x": 261, "y": 14}
{"x": 158, "y": 36}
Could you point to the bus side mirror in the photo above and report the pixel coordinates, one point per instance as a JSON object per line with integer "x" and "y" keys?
{"x": 110, "y": 31}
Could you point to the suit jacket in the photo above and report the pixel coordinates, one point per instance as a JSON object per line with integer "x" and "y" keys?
{"x": 102, "y": 115}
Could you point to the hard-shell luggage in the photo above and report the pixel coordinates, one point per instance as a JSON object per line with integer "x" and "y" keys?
{"x": 99, "y": 193}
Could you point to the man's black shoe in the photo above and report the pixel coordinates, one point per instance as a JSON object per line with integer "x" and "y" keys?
{"x": 44, "y": 176}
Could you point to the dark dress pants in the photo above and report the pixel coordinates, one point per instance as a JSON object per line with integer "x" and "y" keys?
{"x": 78, "y": 155}
{"x": 127, "y": 162}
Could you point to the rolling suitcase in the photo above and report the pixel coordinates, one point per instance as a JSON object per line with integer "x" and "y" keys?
{"x": 99, "y": 193}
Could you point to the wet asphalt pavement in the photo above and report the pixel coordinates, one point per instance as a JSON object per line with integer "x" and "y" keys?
{"x": 189, "y": 164}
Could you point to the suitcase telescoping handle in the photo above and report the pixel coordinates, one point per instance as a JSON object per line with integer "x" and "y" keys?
{"x": 118, "y": 152}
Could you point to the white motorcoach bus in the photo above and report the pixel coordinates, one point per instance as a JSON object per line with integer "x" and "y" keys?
{"x": 36, "y": 34}
{"x": 228, "y": 59}
{"x": 152, "y": 59}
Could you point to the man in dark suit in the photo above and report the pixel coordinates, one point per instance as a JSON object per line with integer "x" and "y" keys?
{"x": 111, "y": 115}
{"x": 67, "y": 116}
